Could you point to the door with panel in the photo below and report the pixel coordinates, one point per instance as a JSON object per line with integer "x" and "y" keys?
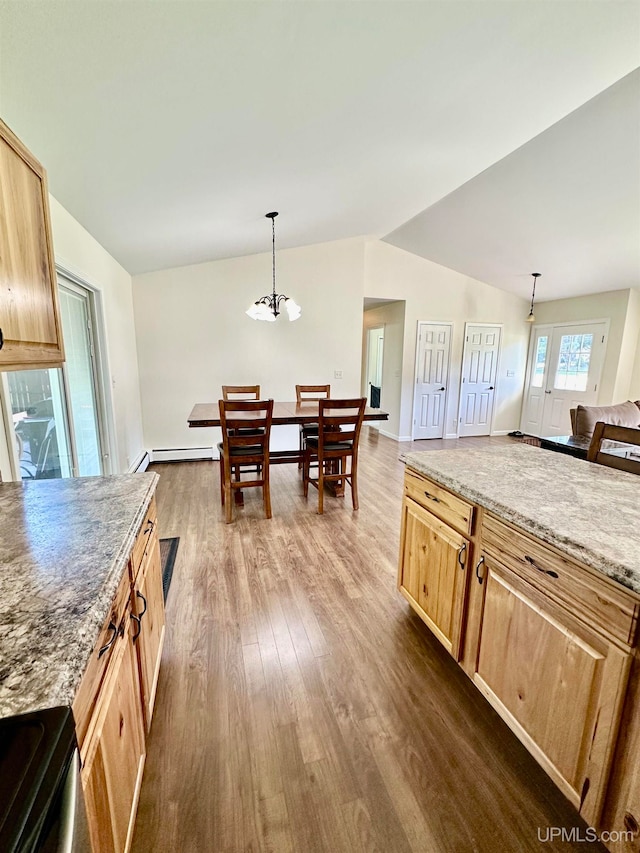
{"x": 432, "y": 573}
{"x": 115, "y": 752}
{"x": 432, "y": 378}
{"x": 148, "y": 614}
{"x": 479, "y": 373}
{"x": 556, "y": 682}
{"x": 565, "y": 365}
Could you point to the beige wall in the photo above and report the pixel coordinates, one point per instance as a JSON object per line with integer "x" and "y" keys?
{"x": 435, "y": 293}
{"x": 621, "y": 308}
{"x": 194, "y": 336}
{"x": 77, "y": 251}
{"x": 391, "y": 316}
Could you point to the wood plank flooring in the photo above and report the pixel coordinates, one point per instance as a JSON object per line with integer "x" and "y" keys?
{"x": 303, "y": 707}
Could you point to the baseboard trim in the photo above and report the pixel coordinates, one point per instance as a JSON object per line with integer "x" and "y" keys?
{"x": 140, "y": 464}
{"x": 393, "y": 436}
{"x": 183, "y": 454}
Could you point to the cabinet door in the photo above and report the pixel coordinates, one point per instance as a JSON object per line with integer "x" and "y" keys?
{"x": 558, "y": 684}
{"x": 149, "y": 610}
{"x": 29, "y": 313}
{"x": 114, "y": 757}
{"x": 433, "y": 574}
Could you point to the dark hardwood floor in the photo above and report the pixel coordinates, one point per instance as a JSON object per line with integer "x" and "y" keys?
{"x": 303, "y": 707}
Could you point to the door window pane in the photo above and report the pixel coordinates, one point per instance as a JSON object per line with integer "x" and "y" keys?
{"x": 79, "y": 367}
{"x": 37, "y": 407}
{"x": 572, "y": 370}
{"x": 540, "y": 362}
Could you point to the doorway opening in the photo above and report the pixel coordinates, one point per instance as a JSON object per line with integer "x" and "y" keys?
{"x": 375, "y": 359}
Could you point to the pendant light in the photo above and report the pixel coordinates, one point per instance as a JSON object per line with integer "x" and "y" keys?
{"x": 532, "y": 318}
{"x": 268, "y": 307}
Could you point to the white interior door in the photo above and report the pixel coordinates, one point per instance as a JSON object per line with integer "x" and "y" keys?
{"x": 479, "y": 371}
{"x": 432, "y": 376}
{"x": 564, "y": 370}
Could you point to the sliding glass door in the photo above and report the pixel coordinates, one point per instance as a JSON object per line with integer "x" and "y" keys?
{"x": 56, "y": 414}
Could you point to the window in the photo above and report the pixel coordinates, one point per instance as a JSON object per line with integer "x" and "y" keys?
{"x": 572, "y": 370}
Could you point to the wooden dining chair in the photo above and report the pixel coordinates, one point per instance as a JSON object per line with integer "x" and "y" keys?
{"x": 246, "y": 451}
{"x": 609, "y": 432}
{"x": 310, "y": 393}
{"x": 335, "y": 447}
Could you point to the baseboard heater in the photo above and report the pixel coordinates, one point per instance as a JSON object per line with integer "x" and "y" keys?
{"x": 183, "y": 454}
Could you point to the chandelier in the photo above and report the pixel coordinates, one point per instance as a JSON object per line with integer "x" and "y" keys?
{"x": 268, "y": 307}
{"x": 532, "y": 317}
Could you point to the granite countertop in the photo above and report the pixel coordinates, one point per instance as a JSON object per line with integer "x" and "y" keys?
{"x": 589, "y": 512}
{"x": 64, "y": 546}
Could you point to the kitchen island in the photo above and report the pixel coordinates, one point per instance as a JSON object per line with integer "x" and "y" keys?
{"x": 82, "y": 626}
{"x": 524, "y": 564}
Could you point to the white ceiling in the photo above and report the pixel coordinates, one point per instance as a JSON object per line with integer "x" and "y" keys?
{"x": 169, "y": 129}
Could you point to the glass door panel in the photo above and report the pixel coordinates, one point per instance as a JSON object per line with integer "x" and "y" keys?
{"x": 38, "y": 411}
{"x": 80, "y": 381}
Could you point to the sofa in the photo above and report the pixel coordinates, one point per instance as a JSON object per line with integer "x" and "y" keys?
{"x": 585, "y": 418}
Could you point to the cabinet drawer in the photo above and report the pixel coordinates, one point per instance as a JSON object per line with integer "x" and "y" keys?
{"x": 144, "y": 536}
{"x": 594, "y": 600}
{"x": 447, "y": 506}
{"x": 93, "y": 677}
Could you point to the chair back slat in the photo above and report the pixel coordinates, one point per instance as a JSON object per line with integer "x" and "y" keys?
{"x": 604, "y": 432}
{"x": 240, "y": 392}
{"x": 312, "y": 392}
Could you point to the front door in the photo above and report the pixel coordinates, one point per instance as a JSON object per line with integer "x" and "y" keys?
{"x": 479, "y": 371}
{"x": 432, "y": 375}
{"x": 564, "y": 371}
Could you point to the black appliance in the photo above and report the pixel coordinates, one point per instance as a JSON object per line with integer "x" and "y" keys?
{"x": 41, "y": 804}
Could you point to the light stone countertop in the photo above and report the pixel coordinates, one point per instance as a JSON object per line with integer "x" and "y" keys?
{"x": 64, "y": 546}
{"x": 589, "y": 512}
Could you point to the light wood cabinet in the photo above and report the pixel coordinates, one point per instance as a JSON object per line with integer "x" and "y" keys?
{"x": 114, "y": 703}
{"x": 547, "y": 640}
{"x": 435, "y": 553}
{"x": 432, "y": 573}
{"x": 557, "y": 683}
{"x": 114, "y": 756}
{"x": 148, "y": 611}
{"x": 30, "y": 329}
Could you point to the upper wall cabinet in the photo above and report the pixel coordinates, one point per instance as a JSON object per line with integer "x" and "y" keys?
{"x": 29, "y": 313}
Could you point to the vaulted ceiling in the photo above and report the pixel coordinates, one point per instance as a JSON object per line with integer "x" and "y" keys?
{"x": 491, "y": 137}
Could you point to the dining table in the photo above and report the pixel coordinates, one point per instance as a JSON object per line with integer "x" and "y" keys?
{"x": 284, "y": 414}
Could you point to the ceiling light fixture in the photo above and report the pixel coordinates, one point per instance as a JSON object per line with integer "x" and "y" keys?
{"x": 532, "y": 317}
{"x": 268, "y": 307}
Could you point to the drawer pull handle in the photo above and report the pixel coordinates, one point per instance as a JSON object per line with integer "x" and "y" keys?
{"x": 461, "y": 552}
{"x": 107, "y": 646}
{"x": 478, "y": 575}
{"x": 432, "y": 497}
{"x": 1, "y": 339}
{"x": 149, "y": 527}
{"x": 533, "y": 563}
{"x": 138, "y": 619}
{"x": 140, "y": 595}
